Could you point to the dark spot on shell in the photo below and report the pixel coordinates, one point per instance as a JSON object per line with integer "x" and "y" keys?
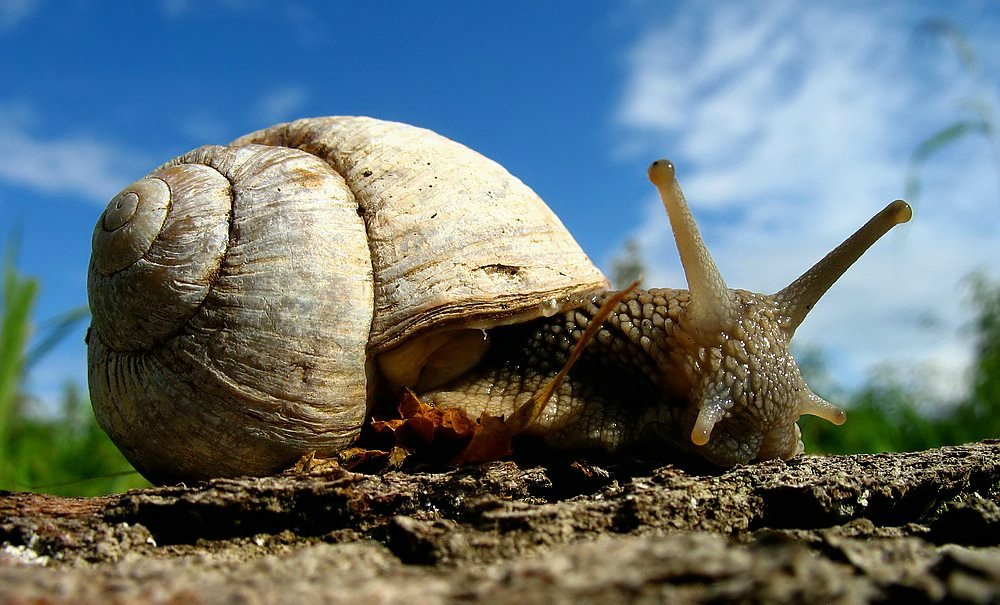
{"x": 307, "y": 177}
{"x": 500, "y": 269}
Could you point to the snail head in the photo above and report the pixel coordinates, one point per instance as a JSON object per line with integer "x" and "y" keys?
{"x": 746, "y": 390}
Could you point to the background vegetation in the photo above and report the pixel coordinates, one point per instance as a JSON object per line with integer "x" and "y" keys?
{"x": 66, "y": 453}
{"x": 891, "y": 412}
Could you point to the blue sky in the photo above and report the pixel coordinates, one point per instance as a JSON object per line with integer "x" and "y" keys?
{"x": 791, "y": 124}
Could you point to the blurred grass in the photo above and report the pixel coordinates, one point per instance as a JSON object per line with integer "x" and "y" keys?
{"x": 66, "y": 454}
{"x": 18, "y": 298}
{"x": 976, "y": 115}
{"x": 890, "y": 413}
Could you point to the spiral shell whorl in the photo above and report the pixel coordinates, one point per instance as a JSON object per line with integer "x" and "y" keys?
{"x": 130, "y": 224}
{"x": 157, "y": 248}
{"x": 238, "y": 348}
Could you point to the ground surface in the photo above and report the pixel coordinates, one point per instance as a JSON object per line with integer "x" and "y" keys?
{"x": 914, "y": 527}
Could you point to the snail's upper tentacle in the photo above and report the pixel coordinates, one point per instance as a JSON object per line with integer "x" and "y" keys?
{"x": 799, "y": 297}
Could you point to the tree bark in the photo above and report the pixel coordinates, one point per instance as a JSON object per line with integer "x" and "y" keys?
{"x": 916, "y": 526}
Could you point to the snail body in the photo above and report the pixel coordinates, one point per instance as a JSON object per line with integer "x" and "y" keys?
{"x": 253, "y": 302}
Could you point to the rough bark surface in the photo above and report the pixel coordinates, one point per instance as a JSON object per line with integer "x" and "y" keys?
{"x": 891, "y": 527}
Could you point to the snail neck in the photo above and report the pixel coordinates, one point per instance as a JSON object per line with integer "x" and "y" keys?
{"x": 737, "y": 388}
{"x": 650, "y": 380}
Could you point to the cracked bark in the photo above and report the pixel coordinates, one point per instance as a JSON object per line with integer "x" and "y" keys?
{"x": 916, "y": 526}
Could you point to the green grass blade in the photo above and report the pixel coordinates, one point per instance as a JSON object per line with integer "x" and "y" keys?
{"x": 948, "y": 31}
{"x": 936, "y": 143}
{"x": 19, "y": 295}
{"x": 55, "y": 331}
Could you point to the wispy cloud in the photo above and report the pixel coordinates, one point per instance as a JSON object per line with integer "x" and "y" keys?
{"x": 304, "y": 26}
{"x": 791, "y": 124}
{"x": 209, "y": 125}
{"x": 78, "y": 165}
{"x": 281, "y": 104}
{"x": 180, "y": 8}
{"x": 13, "y": 12}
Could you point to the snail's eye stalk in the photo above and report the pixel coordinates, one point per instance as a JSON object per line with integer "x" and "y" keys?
{"x": 799, "y": 297}
{"x": 712, "y": 305}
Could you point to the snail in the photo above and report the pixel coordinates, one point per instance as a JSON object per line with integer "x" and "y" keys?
{"x": 257, "y": 301}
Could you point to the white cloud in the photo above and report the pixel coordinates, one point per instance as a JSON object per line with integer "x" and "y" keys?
{"x": 13, "y": 12}
{"x": 78, "y": 165}
{"x": 179, "y": 8}
{"x": 791, "y": 124}
{"x": 207, "y": 125}
{"x": 175, "y": 8}
{"x": 281, "y": 104}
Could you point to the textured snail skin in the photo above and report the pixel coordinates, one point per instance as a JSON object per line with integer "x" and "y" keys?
{"x": 638, "y": 385}
{"x": 253, "y": 302}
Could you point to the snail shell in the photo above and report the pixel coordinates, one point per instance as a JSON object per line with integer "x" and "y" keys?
{"x": 242, "y": 294}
